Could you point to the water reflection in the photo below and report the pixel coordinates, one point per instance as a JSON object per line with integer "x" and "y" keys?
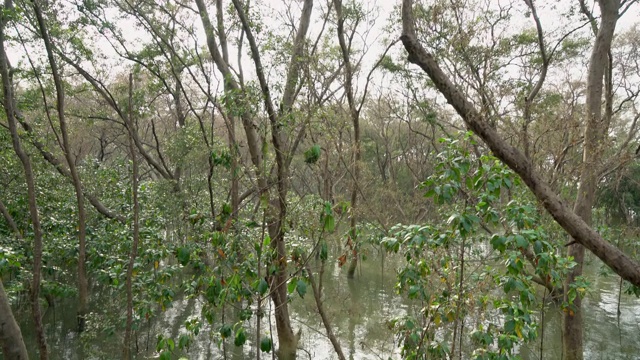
{"x": 359, "y": 310}
{"x": 606, "y": 336}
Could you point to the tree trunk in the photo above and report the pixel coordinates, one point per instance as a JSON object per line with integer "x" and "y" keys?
{"x": 136, "y": 227}
{"x": 83, "y": 284}
{"x": 354, "y": 114}
{"x": 9, "y": 108}
{"x": 286, "y": 338}
{"x": 317, "y": 295}
{"x": 10, "y": 336}
{"x": 594, "y": 134}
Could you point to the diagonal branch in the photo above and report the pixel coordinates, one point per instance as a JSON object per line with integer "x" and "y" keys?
{"x": 617, "y": 260}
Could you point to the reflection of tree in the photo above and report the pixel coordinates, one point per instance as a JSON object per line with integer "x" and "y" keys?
{"x": 353, "y": 310}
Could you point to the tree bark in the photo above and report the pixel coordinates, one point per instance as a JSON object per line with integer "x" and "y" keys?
{"x": 575, "y": 226}
{"x": 9, "y": 101}
{"x": 594, "y": 135}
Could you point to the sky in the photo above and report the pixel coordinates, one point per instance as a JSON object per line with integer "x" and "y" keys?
{"x": 551, "y": 14}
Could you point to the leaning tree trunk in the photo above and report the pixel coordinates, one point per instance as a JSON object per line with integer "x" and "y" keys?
{"x": 594, "y": 134}
{"x": 620, "y": 262}
{"x": 10, "y": 336}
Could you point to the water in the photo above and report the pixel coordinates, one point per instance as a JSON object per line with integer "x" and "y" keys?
{"x": 359, "y": 310}
{"x": 606, "y": 336}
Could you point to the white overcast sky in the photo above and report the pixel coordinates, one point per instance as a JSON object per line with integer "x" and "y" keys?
{"x": 550, "y": 13}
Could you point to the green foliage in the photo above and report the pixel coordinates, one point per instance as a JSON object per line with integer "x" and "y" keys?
{"x": 389, "y": 65}
{"x": 221, "y": 158}
{"x": 481, "y": 202}
{"x": 312, "y": 155}
{"x": 328, "y": 221}
{"x": 619, "y": 195}
{"x": 240, "y": 337}
{"x": 263, "y": 287}
{"x": 266, "y": 344}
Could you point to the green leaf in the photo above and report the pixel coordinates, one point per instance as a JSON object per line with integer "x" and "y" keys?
{"x": 329, "y": 223}
{"x": 409, "y": 324}
{"x": 324, "y": 251}
{"x": 537, "y": 247}
{"x": 292, "y": 285}
{"x": 161, "y": 344}
{"x": 165, "y": 355}
{"x": 498, "y": 242}
{"x": 183, "y": 341}
{"x": 183, "y": 255}
{"x": 266, "y": 344}
{"x": 312, "y": 155}
{"x": 413, "y": 291}
{"x": 521, "y": 242}
{"x": 301, "y": 288}
{"x": 263, "y": 286}
{"x": 241, "y": 337}
{"x": 225, "y": 331}
{"x": 510, "y": 326}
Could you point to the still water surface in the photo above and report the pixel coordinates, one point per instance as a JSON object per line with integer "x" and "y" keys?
{"x": 359, "y": 311}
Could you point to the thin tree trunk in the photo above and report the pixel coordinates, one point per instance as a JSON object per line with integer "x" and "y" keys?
{"x": 354, "y": 114}
{"x": 9, "y": 102}
{"x": 136, "y": 227}
{"x": 459, "y": 303}
{"x": 317, "y": 295}
{"x": 619, "y": 298}
{"x": 13, "y": 347}
{"x": 235, "y": 171}
{"x": 83, "y": 284}
{"x": 542, "y": 324}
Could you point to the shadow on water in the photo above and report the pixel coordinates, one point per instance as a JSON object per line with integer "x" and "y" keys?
{"x": 359, "y": 310}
